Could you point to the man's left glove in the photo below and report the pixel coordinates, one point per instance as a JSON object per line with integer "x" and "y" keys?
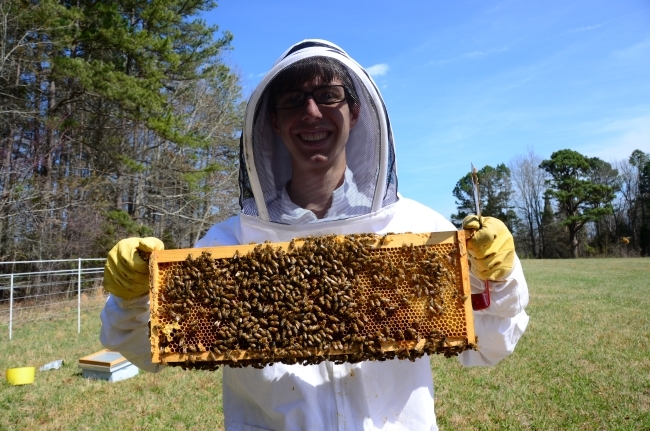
{"x": 126, "y": 273}
{"x": 490, "y": 247}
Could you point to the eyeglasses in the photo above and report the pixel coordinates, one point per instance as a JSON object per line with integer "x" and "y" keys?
{"x": 325, "y": 95}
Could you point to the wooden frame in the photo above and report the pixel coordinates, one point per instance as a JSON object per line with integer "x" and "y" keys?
{"x": 454, "y": 239}
{"x": 92, "y": 359}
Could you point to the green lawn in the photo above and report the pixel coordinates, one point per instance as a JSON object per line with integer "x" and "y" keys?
{"x": 583, "y": 364}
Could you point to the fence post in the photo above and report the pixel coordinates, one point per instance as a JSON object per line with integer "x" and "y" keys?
{"x": 11, "y": 303}
{"x": 79, "y": 298}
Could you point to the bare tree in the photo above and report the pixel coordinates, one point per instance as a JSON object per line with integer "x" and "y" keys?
{"x": 528, "y": 181}
{"x": 631, "y": 215}
{"x": 105, "y": 134}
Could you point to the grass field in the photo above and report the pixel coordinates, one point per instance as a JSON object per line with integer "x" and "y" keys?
{"x": 583, "y": 364}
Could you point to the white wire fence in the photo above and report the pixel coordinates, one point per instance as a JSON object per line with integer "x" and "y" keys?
{"x": 49, "y": 289}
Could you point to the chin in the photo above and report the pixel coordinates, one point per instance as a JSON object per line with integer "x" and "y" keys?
{"x": 319, "y": 159}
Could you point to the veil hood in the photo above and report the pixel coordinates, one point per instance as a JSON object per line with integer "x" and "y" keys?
{"x": 265, "y": 164}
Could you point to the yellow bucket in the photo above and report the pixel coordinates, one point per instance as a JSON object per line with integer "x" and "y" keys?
{"x": 21, "y": 376}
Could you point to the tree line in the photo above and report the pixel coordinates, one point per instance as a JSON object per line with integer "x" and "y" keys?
{"x": 569, "y": 205}
{"x": 117, "y": 119}
{"x": 121, "y": 118}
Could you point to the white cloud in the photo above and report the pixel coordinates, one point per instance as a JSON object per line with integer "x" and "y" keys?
{"x": 584, "y": 28}
{"x": 635, "y": 51}
{"x": 625, "y": 136}
{"x": 470, "y": 55}
{"x": 377, "y": 69}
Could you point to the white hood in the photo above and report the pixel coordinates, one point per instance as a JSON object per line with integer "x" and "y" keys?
{"x": 265, "y": 165}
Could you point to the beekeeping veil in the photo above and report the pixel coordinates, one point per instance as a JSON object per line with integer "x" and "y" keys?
{"x": 265, "y": 164}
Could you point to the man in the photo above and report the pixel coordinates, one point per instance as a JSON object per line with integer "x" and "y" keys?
{"x": 317, "y": 158}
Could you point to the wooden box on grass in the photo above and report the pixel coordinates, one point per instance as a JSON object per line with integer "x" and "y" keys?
{"x": 107, "y": 365}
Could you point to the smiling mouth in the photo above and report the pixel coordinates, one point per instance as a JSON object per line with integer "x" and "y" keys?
{"x": 313, "y": 136}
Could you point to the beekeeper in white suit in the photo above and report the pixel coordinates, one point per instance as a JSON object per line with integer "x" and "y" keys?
{"x": 317, "y": 158}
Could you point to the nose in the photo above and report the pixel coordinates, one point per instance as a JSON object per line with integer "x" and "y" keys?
{"x": 310, "y": 109}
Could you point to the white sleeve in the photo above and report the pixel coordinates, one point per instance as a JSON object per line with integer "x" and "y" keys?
{"x": 499, "y": 326}
{"x": 125, "y": 323}
{"x": 125, "y": 329}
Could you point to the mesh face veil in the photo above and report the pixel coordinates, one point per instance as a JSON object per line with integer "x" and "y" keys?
{"x": 265, "y": 164}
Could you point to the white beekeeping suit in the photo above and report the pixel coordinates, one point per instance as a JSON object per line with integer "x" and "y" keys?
{"x": 390, "y": 395}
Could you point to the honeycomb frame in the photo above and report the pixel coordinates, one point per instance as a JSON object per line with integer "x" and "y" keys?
{"x": 386, "y": 317}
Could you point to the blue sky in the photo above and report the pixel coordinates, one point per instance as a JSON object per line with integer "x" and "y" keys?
{"x": 474, "y": 81}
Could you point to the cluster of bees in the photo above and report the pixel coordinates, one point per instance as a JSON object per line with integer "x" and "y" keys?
{"x": 331, "y": 298}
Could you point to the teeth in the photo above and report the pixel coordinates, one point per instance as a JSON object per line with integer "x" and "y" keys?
{"x": 313, "y": 136}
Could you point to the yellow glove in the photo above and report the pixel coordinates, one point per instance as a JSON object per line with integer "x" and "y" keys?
{"x": 490, "y": 247}
{"x": 126, "y": 273}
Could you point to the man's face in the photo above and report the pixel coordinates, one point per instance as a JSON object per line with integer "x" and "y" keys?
{"x": 315, "y": 135}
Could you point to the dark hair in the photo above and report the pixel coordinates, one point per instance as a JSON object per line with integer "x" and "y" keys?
{"x": 325, "y": 68}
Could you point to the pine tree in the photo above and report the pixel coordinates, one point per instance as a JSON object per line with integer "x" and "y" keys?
{"x": 579, "y": 199}
{"x": 495, "y": 189}
{"x": 641, "y": 161}
{"x": 109, "y": 108}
